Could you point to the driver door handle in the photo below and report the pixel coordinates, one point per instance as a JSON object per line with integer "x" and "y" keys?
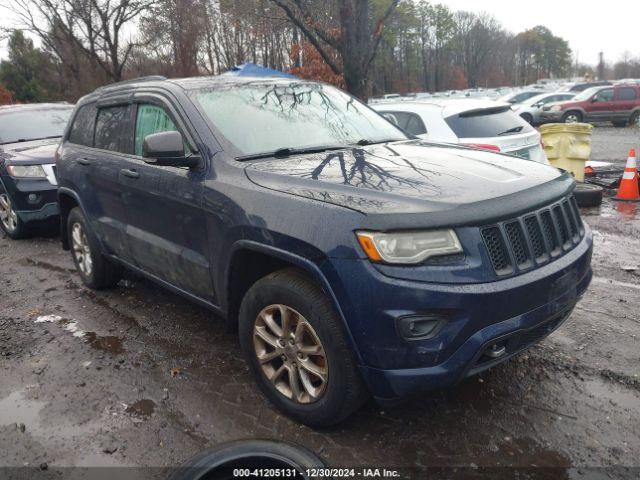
{"x": 129, "y": 173}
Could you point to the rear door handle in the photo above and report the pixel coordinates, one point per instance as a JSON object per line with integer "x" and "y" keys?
{"x": 129, "y": 173}
{"x": 83, "y": 161}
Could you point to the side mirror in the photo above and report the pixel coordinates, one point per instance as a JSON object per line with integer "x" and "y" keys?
{"x": 167, "y": 149}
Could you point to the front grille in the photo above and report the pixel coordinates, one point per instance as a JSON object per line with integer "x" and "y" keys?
{"x": 497, "y": 250}
{"x": 518, "y": 244}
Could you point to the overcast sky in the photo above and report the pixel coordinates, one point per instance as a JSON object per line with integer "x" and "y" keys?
{"x": 611, "y": 27}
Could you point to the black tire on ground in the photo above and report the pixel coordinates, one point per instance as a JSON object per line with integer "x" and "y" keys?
{"x": 566, "y": 118}
{"x": 103, "y": 274}
{"x": 345, "y": 391}
{"x": 634, "y": 121}
{"x": 588, "y": 195}
{"x": 620, "y": 124}
{"x": 220, "y": 462}
{"x": 21, "y": 230}
{"x": 527, "y": 117}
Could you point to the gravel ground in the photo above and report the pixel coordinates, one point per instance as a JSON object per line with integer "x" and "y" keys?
{"x": 613, "y": 144}
{"x": 139, "y": 377}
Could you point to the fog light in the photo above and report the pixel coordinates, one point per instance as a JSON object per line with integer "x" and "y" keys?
{"x": 420, "y": 327}
{"x": 33, "y": 198}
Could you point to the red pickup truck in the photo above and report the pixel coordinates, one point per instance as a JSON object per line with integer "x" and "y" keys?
{"x": 619, "y": 104}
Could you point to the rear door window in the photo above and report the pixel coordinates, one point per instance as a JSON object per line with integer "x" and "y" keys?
{"x": 113, "y": 129}
{"x": 627, "y": 94}
{"x": 484, "y": 123}
{"x": 84, "y": 123}
{"x": 407, "y": 121}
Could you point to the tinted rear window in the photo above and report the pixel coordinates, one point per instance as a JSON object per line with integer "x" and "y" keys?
{"x": 113, "y": 129}
{"x": 33, "y": 124}
{"x": 487, "y": 123}
{"x": 83, "y": 125}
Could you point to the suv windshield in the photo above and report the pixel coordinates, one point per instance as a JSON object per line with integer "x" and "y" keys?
{"x": 587, "y": 94}
{"x": 262, "y": 118}
{"x": 490, "y": 122}
{"x": 33, "y": 124}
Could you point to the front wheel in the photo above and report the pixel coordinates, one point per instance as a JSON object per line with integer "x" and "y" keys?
{"x": 572, "y": 117}
{"x": 9, "y": 220}
{"x": 94, "y": 269}
{"x": 296, "y": 349}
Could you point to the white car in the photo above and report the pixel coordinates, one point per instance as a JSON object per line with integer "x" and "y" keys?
{"x": 474, "y": 123}
{"x": 519, "y": 96}
{"x": 531, "y": 108}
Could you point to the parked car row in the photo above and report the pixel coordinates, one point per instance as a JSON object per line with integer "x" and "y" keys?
{"x": 354, "y": 259}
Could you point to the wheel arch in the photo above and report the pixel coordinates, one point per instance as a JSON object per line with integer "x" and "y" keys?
{"x": 263, "y": 260}
{"x": 67, "y": 200}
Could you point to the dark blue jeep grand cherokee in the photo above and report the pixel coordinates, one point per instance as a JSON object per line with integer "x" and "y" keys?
{"x": 351, "y": 258}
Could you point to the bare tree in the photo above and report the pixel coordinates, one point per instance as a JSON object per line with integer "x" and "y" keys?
{"x": 97, "y": 27}
{"x": 353, "y": 36}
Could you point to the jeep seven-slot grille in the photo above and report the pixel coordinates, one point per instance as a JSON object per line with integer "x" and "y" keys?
{"x": 518, "y": 244}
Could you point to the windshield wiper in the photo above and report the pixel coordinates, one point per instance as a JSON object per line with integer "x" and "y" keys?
{"x": 288, "y": 151}
{"x": 364, "y": 142}
{"x": 22, "y": 140}
{"x": 512, "y": 130}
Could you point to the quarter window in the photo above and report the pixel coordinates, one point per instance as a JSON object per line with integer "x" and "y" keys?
{"x": 113, "y": 129}
{"x": 407, "y": 121}
{"x": 81, "y": 132}
{"x": 151, "y": 119}
{"x": 627, "y": 94}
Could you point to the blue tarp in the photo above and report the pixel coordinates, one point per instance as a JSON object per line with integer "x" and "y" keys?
{"x": 253, "y": 70}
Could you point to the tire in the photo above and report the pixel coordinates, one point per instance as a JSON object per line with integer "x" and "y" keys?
{"x": 634, "y": 121}
{"x": 527, "y": 118}
{"x": 572, "y": 117}
{"x": 588, "y": 195}
{"x": 95, "y": 270}
{"x": 338, "y": 391}
{"x": 619, "y": 124}
{"x": 219, "y": 462}
{"x": 10, "y": 222}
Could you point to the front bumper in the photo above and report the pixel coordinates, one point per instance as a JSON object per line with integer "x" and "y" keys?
{"x": 517, "y": 312}
{"x": 34, "y": 200}
{"x": 551, "y": 117}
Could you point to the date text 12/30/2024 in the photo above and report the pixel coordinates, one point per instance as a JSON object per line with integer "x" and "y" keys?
{"x": 315, "y": 473}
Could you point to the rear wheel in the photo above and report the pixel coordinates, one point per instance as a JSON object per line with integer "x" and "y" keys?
{"x": 94, "y": 269}
{"x": 572, "y": 117}
{"x": 9, "y": 220}
{"x": 297, "y": 351}
{"x": 634, "y": 121}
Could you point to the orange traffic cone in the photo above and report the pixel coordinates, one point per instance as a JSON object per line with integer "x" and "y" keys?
{"x": 628, "y": 190}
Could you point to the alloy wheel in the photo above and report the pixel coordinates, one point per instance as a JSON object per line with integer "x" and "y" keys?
{"x": 572, "y": 118}
{"x": 290, "y": 354}
{"x": 81, "y": 249}
{"x": 8, "y": 215}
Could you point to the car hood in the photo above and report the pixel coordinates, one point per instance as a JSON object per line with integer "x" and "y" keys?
{"x": 409, "y": 177}
{"x": 37, "y": 152}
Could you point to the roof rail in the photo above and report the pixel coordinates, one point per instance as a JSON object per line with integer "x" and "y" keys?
{"x": 149, "y": 78}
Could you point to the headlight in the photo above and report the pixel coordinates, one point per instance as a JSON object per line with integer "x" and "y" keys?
{"x": 28, "y": 171}
{"x": 556, "y": 108}
{"x": 408, "y": 248}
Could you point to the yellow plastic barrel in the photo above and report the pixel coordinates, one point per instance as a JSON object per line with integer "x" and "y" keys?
{"x": 568, "y": 146}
